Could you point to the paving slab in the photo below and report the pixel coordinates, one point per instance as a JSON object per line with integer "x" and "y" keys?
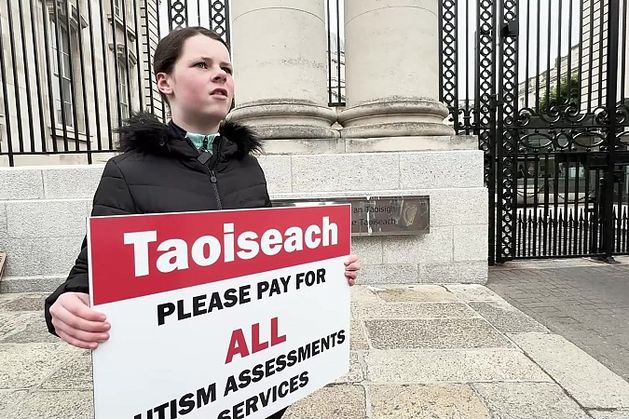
{"x": 11, "y": 322}
{"x": 610, "y": 414}
{"x": 591, "y": 383}
{"x": 529, "y": 400}
{"x": 416, "y": 401}
{"x": 54, "y": 404}
{"x": 434, "y": 333}
{"x": 27, "y": 365}
{"x": 363, "y": 294}
{"x": 507, "y": 318}
{"x": 416, "y": 293}
{"x": 24, "y": 302}
{"x": 76, "y": 374}
{"x": 335, "y": 401}
{"x": 30, "y": 328}
{"x": 356, "y": 369}
{"x": 455, "y": 366}
{"x": 415, "y": 311}
{"x": 587, "y": 304}
{"x": 9, "y": 399}
{"x": 473, "y": 292}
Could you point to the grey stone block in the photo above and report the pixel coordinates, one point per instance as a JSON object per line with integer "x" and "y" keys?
{"x": 610, "y": 414}
{"x": 441, "y": 169}
{"x": 411, "y": 143}
{"x": 415, "y": 311}
{"x": 345, "y": 172}
{"x": 76, "y": 374}
{"x": 507, "y": 318}
{"x": 368, "y": 249}
{"x": 416, "y": 401}
{"x": 456, "y": 272}
{"x": 458, "y": 206}
{"x": 312, "y": 145}
{"x": 41, "y": 256}
{"x": 24, "y": 366}
{"x": 433, "y": 247}
{"x": 592, "y": 384}
{"x": 277, "y": 170}
{"x": 460, "y": 366}
{"x": 31, "y": 284}
{"x": 388, "y": 274}
{"x": 3, "y": 220}
{"x": 470, "y": 243}
{"x": 71, "y": 182}
{"x": 358, "y": 336}
{"x": 27, "y": 219}
{"x": 474, "y": 293}
{"x": 416, "y": 293}
{"x": 334, "y": 401}
{"x": 529, "y": 400}
{"x": 55, "y": 404}
{"x": 21, "y": 183}
{"x": 434, "y": 334}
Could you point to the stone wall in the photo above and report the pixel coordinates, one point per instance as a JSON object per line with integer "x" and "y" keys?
{"x": 43, "y": 213}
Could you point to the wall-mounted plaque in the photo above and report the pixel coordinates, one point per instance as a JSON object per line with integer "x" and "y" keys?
{"x": 379, "y": 216}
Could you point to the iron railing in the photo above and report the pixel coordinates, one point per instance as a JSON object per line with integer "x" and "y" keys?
{"x": 542, "y": 84}
{"x": 336, "y": 52}
{"x": 72, "y": 70}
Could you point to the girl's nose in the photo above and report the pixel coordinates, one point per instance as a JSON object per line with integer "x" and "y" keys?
{"x": 220, "y": 75}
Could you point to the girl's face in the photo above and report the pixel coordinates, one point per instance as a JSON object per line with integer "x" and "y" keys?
{"x": 200, "y": 88}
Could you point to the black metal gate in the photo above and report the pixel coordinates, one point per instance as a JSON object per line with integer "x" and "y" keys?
{"x": 542, "y": 83}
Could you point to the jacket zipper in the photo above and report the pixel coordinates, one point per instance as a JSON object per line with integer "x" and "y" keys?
{"x": 213, "y": 179}
{"x": 215, "y": 187}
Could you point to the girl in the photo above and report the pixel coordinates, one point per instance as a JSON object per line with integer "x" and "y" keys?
{"x": 193, "y": 163}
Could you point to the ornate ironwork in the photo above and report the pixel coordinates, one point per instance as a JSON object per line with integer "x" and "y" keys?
{"x": 556, "y": 144}
{"x": 177, "y": 14}
{"x": 219, "y": 18}
{"x": 484, "y": 109}
{"x": 448, "y": 59}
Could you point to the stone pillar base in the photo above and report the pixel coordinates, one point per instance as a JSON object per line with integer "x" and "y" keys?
{"x": 395, "y": 117}
{"x": 287, "y": 119}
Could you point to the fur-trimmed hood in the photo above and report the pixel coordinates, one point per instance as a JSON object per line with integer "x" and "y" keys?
{"x": 143, "y": 132}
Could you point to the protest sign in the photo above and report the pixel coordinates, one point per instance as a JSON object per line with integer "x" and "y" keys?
{"x": 224, "y": 314}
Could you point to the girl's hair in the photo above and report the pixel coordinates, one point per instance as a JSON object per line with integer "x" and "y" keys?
{"x": 170, "y": 47}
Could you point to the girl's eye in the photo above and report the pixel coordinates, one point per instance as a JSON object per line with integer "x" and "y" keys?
{"x": 228, "y": 70}
{"x": 201, "y": 65}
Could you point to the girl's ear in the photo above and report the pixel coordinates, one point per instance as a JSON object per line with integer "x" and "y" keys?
{"x": 163, "y": 83}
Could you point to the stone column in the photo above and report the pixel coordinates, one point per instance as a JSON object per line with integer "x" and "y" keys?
{"x": 280, "y": 61}
{"x": 392, "y": 69}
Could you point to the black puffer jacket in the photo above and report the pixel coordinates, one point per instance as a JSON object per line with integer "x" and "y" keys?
{"x": 161, "y": 171}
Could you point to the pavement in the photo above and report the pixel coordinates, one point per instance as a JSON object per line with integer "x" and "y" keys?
{"x": 583, "y": 300}
{"x": 421, "y": 351}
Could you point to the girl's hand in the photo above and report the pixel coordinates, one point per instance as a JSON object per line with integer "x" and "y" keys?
{"x": 352, "y": 266}
{"x": 76, "y": 323}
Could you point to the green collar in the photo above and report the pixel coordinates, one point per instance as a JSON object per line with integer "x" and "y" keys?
{"x": 201, "y": 141}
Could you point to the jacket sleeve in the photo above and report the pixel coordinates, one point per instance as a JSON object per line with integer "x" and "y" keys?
{"x": 112, "y": 197}
{"x": 267, "y": 199}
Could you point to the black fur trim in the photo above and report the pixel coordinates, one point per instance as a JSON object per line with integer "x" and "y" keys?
{"x": 145, "y": 133}
{"x": 244, "y": 137}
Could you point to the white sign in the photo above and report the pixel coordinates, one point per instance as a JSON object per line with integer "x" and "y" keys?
{"x": 198, "y": 342}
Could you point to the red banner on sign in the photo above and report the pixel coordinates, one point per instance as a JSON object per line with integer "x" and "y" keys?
{"x": 137, "y": 255}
